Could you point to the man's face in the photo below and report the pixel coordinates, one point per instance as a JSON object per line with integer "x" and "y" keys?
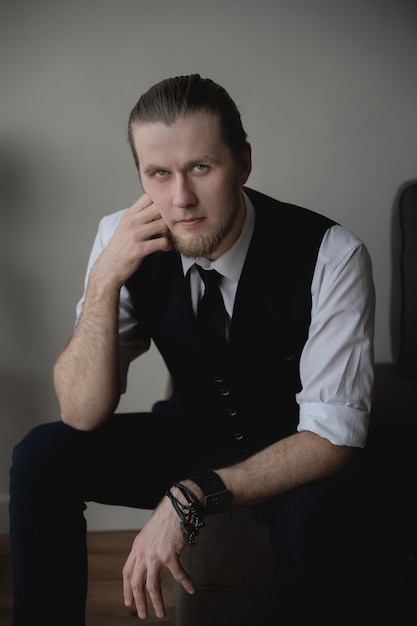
{"x": 195, "y": 181}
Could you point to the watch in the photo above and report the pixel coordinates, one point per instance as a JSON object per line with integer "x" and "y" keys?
{"x": 216, "y": 497}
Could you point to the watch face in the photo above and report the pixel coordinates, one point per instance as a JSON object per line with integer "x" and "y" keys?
{"x": 218, "y": 502}
{"x": 219, "y": 499}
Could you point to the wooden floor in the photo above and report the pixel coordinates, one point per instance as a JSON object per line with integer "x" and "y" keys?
{"x": 107, "y": 554}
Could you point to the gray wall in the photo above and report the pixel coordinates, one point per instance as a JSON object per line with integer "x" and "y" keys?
{"x": 328, "y": 93}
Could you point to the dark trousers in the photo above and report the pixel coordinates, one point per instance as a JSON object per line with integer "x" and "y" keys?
{"x": 130, "y": 461}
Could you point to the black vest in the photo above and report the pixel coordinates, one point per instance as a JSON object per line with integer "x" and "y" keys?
{"x": 250, "y": 398}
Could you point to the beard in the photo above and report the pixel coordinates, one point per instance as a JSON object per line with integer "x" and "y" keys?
{"x": 206, "y": 244}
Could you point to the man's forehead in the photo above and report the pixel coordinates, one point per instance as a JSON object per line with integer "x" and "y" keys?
{"x": 199, "y": 134}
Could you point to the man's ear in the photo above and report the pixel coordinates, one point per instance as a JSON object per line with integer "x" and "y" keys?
{"x": 245, "y": 163}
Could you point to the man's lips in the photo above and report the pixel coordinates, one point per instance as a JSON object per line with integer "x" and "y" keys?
{"x": 191, "y": 223}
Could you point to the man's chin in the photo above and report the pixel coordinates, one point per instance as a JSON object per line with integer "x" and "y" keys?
{"x": 193, "y": 247}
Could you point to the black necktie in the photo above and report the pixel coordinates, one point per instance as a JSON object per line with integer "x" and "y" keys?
{"x": 211, "y": 315}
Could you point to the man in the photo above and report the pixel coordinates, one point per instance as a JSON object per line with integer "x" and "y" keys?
{"x": 279, "y": 412}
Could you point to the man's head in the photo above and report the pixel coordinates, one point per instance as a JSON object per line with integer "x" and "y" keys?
{"x": 182, "y": 96}
{"x": 193, "y": 159}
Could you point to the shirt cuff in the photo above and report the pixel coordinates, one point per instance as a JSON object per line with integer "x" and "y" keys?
{"x": 341, "y": 425}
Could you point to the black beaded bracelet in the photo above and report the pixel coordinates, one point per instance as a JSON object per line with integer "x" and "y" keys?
{"x": 191, "y": 514}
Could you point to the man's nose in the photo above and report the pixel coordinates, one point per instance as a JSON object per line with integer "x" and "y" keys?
{"x": 184, "y": 195}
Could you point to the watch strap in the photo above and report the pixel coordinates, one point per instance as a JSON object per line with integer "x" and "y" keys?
{"x": 216, "y": 496}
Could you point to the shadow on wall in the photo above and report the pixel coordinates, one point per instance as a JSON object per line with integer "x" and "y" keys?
{"x": 26, "y": 393}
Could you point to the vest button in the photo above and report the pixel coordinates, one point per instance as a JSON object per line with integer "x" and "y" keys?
{"x": 232, "y": 412}
{"x": 238, "y": 436}
{"x": 218, "y": 379}
{"x": 224, "y": 391}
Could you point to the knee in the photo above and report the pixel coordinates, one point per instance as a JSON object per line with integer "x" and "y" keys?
{"x": 38, "y": 452}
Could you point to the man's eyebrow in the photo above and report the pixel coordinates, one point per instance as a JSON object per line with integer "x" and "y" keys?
{"x": 204, "y": 158}
{"x": 152, "y": 168}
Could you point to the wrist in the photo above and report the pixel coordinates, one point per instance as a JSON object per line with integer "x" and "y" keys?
{"x": 193, "y": 498}
{"x": 102, "y": 286}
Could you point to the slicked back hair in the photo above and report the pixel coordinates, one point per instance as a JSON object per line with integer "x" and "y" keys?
{"x": 184, "y": 96}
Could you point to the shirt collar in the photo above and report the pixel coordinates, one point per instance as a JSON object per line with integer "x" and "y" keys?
{"x": 230, "y": 264}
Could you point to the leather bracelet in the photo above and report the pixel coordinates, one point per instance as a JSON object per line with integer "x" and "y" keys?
{"x": 217, "y": 498}
{"x": 191, "y": 513}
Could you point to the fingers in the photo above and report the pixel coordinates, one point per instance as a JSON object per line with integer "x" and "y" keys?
{"x": 141, "y": 231}
{"x": 156, "y": 548}
{"x": 127, "y": 577}
{"x": 134, "y": 587}
{"x": 153, "y": 586}
{"x": 141, "y": 203}
{"x": 182, "y": 577}
{"x": 137, "y": 582}
{"x": 146, "y": 207}
{"x": 145, "y": 215}
{"x": 143, "y": 211}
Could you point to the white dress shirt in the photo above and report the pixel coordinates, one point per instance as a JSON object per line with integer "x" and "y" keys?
{"x": 336, "y": 366}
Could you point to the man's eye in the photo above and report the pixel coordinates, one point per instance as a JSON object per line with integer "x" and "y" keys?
{"x": 200, "y": 167}
{"x": 160, "y": 173}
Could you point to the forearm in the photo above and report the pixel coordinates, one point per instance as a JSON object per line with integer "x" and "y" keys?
{"x": 86, "y": 374}
{"x": 286, "y": 464}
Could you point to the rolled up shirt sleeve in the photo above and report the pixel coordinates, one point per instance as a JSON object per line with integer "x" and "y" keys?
{"x": 336, "y": 366}
{"x": 131, "y": 342}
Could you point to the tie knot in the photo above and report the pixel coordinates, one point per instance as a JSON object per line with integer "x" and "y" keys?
{"x": 210, "y": 277}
